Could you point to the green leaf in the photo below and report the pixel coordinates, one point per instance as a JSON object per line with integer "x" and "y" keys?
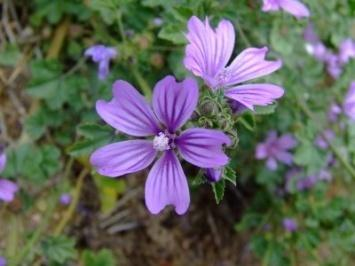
{"x": 10, "y": 55}
{"x": 173, "y": 33}
{"x": 230, "y": 175}
{"x": 102, "y": 258}
{"x": 58, "y": 249}
{"x": 265, "y": 110}
{"x": 218, "y": 190}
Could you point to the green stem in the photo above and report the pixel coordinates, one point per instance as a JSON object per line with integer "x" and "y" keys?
{"x": 143, "y": 84}
{"x": 69, "y": 213}
{"x": 242, "y": 35}
{"x": 334, "y": 149}
{"x": 120, "y": 26}
{"x": 21, "y": 257}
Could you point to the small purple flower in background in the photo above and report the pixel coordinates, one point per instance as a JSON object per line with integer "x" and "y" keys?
{"x": 334, "y": 66}
{"x": 294, "y": 7}
{"x": 275, "y": 149}
{"x": 324, "y": 175}
{"x": 208, "y": 53}
{"x": 307, "y": 182}
{"x": 101, "y": 55}
{"x": 158, "y": 22}
{"x": 213, "y": 174}
{"x": 3, "y": 261}
{"x": 7, "y": 187}
{"x": 290, "y": 224}
{"x": 334, "y": 112}
{"x": 322, "y": 140}
{"x": 65, "y": 199}
{"x": 346, "y": 50}
{"x": 172, "y": 105}
{"x": 349, "y": 102}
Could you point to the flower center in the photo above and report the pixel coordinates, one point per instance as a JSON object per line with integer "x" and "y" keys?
{"x": 223, "y": 77}
{"x": 161, "y": 142}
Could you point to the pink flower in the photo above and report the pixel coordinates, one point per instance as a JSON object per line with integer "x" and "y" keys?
{"x": 208, "y": 53}
{"x": 294, "y": 7}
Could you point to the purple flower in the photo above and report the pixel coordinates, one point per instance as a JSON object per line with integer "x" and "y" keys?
{"x": 172, "y": 105}
{"x": 65, "y": 199}
{"x": 324, "y": 175}
{"x": 318, "y": 51}
{"x": 3, "y": 261}
{"x": 7, "y": 187}
{"x": 349, "y": 102}
{"x": 290, "y": 224}
{"x": 294, "y": 7}
{"x": 334, "y": 111}
{"x": 213, "y": 174}
{"x": 101, "y": 55}
{"x": 322, "y": 140}
{"x": 306, "y": 182}
{"x": 346, "y": 50}
{"x": 207, "y": 54}
{"x": 275, "y": 149}
{"x": 334, "y": 66}
{"x": 158, "y": 22}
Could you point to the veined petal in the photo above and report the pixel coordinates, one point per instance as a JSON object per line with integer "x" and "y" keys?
{"x": 295, "y": 7}
{"x": 128, "y": 111}
{"x": 167, "y": 185}
{"x": 254, "y": 94}
{"x": 174, "y": 102}
{"x": 250, "y": 64}
{"x": 123, "y": 157}
{"x": 208, "y": 51}
{"x": 203, "y": 147}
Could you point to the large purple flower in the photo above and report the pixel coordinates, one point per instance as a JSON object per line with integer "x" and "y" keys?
{"x": 7, "y": 188}
{"x": 101, "y": 55}
{"x": 294, "y": 7}
{"x": 207, "y": 56}
{"x": 349, "y": 103}
{"x": 172, "y": 105}
{"x": 275, "y": 149}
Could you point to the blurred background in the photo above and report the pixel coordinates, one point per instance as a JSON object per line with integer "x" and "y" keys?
{"x": 64, "y": 213}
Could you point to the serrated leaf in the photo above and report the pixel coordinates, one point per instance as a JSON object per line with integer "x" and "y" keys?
{"x": 58, "y": 249}
{"x": 265, "y": 110}
{"x": 218, "y": 190}
{"x": 91, "y": 130}
{"x": 102, "y": 258}
{"x": 230, "y": 175}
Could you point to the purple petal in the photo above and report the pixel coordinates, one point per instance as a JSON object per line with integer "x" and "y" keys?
{"x": 254, "y": 94}
{"x": 251, "y": 64}
{"x": 261, "y": 151}
{"x": 290, "y": 224}
{"x": 103, "y": 69}
{"x": 174, "y": 102}
{"x": 346, "y": 50}
{"x": 3, "y": 160}
{"x": 3, "y": 261}
{"x": 128, "y": 111}
{"x": 167, "y": 185}
{"x": 270, "y": 5}
{"x": 294, "y": 7}
{"x": 208, "y": 51}
{"x": 214, "y": 174}
{"x": 271, "y": 164}
{"x": 7, "y": 190}
{"x": 349, "y": 103}
{"x": 203, "y": 147}
{"x": 123, "y": 157}
{"x": 285, "y": 157}
{"x": 287, "y": 141}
